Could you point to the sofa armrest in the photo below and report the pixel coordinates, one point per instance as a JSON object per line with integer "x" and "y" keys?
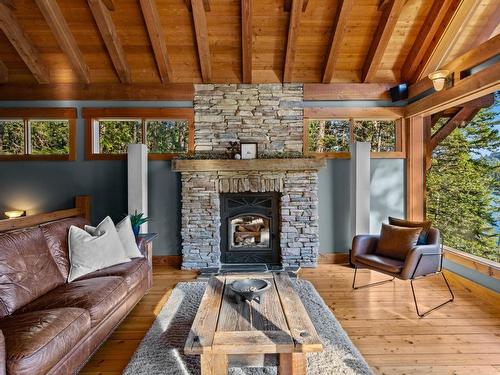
{"x": 363, "y": 244}
{"x": 422, "y": 260}
{"x": 3, "y": 355}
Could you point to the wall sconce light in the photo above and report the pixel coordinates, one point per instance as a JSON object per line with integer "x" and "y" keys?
{"x": 13, "y": 214}
{"x": 439, "y": 78}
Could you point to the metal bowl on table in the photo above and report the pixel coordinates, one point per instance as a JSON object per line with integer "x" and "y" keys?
{"x": 249, "y": 289}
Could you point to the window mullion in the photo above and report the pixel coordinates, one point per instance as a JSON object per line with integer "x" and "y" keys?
{"x": 27, "y": 137}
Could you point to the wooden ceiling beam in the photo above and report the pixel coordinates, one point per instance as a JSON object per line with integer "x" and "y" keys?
{"x": 157, "y": 38}
{"x": 347, "y": 91}
{"x": 102, "y": 17}
{"x": 468, "y": 60}
{"x": 9, "y": 3}
{"x": 109, "y": 4}
{"x": 201, "y": 30}
{"x": 431, "y": 30}
{"x": 4, "y": 73}
{"x": 206, "y": 5}
{"x": 381, "y": 39}
{"x": 488, "y": 28}
{"x": 22, "y": 44}
{"x": 291, "y": 45}
{"x": 246, "y": 40}
{"x": 339, "y": 29}
{"x": 98, "y": 91}
{"x": 288, "y": 5}
{"x": 55, "y": 19}
{"x": 449, "y": 30}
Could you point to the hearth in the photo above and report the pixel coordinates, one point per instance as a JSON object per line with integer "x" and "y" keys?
{"x": 250, "y": 228}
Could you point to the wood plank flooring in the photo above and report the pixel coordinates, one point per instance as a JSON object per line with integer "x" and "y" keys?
{"x": 460, "y": 338}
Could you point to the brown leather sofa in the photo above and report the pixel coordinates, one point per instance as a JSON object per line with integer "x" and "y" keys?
{"x": 421, "y": 261}
{"x": 49, "y": 326}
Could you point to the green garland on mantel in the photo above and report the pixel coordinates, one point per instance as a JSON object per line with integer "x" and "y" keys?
{"x": 214, "y": 155}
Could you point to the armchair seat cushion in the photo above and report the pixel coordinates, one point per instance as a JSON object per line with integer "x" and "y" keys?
{"x": 99, "y": 296}
{"x": 380, "y": 262}
{"x": 37, "y": 340}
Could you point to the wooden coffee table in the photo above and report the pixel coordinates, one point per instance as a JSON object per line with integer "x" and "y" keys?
{"x": 224, "y": 331}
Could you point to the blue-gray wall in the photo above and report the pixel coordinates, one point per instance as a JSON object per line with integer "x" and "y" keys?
{"x": 38, "y": 186}
{"x": 387, "y": 199}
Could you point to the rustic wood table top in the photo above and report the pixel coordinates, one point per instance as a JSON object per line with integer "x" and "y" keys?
{"x": 278, "y": 324}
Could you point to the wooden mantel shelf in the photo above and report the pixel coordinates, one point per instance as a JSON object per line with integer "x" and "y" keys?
{"x": 247, "y": 165}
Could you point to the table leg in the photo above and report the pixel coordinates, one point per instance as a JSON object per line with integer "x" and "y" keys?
{"x": 213, "y": 364}
{"x": 292, "y": 364}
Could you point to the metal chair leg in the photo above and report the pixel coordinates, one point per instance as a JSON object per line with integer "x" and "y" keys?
{"x": 367, "y": 285}
{"x": 421, "y": 315}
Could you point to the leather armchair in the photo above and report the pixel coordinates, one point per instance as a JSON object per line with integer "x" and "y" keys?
{"x": 420, "y": 261}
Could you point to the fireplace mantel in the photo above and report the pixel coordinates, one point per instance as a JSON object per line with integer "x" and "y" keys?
{"x": 247, "y": 165}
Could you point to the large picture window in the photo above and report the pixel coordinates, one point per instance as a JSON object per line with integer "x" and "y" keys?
{"x": 38, "y": 134}
{"x": 328, "y": 134}
{"x": 167, "y": 132}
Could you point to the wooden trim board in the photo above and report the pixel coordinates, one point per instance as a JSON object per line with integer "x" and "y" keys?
{"x": 481, "y": 265}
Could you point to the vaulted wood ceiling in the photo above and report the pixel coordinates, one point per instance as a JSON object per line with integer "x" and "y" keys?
{"x": 186, "y": 41}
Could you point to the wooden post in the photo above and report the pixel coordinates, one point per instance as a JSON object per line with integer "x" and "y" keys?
{"x": 415, "y": 168}
{"x": 83, "y": 202}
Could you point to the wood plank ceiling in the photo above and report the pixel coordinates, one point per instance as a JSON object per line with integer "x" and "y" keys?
{"x": 192, "y": 41}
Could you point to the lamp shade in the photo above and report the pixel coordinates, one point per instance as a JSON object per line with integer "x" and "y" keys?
{"x": 13, "y": 214}
{"x": 438, "y": 79}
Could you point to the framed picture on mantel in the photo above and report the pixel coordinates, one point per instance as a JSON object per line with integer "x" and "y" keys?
{"x": 248, "y": 150}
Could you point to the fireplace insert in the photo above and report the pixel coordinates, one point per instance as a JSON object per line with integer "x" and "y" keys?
{"x": 250, "y": 228}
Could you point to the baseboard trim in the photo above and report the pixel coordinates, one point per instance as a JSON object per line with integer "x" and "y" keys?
{"x": 167, "y": 260}
{"x": 333, "y": 258}
{"x": 478, "y": 290}
{"x": 324, "y": 258}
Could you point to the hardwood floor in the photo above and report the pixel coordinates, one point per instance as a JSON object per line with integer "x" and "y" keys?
{"x": 460, "y": 338}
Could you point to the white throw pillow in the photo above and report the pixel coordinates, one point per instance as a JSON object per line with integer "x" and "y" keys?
{"x": 89, "y": 253}
{"x": 127, "y": 237}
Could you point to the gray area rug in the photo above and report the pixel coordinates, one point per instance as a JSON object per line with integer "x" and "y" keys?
{"x": 161, "y": 350}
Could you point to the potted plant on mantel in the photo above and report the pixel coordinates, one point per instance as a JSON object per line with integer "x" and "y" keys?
{"x": 137, "y": 219}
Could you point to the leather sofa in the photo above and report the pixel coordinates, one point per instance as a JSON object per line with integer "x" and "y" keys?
{"x": 50, "y": 326}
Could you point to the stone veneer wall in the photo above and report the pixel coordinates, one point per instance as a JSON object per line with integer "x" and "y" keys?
{"x": 269, "y": 114}
{"x": 201, "y": 213}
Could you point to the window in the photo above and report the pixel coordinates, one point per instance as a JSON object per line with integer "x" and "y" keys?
{"x": 463, "y": 179}
{"x": 166, "y": 132}
{"x": 326, "y": 133}
{"x": 39, "y": 134}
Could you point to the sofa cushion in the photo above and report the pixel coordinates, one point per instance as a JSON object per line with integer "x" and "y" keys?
{"x": 36, "y": 341}
{"x": 379, "y": 262}
{"x": 133, "y": 272}
{"x": 395, "y": 242}
{"x": 27, "y": 269}
{"x": 56, "y": 235}
{"x": 98, "y": 296}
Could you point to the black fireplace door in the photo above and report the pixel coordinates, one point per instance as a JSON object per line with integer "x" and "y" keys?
{"x": 250, "y": 228}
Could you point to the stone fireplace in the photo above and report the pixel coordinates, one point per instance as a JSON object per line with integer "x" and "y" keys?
{"x": 249, "y": 211}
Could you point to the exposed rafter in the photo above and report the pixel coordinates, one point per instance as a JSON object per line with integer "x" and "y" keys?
{"x": 246, "y": 39}
{"x": 206, "y": 5}
{"x": 22, "y": 44}
{"x": 55, "y": 19}
{"x": 291, "y": 45}
{"x": 339, "y": 28}
{"x": 288, "y": 5}
{"x": 4, "y": 73}
{"x": 157, "y": 38}
{"x": 102, "y": 17}
{"x": 109, "y": 4}
{"x": 381, "y": 39}
{"x": 452, "y": 26}
{"x": 200, "y": 26}
{"x": 431, "y": 30}
{"x": 9, "y": 3}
